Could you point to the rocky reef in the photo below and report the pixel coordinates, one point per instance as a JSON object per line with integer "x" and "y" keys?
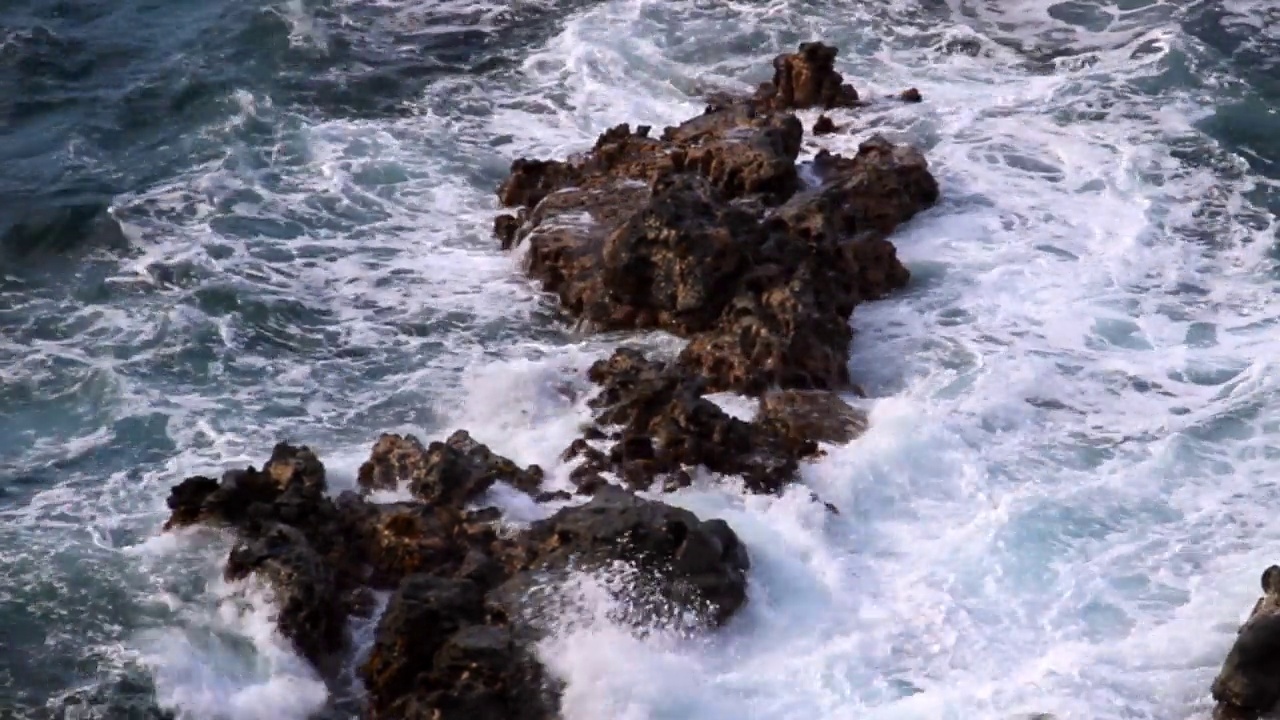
{"x": 712, "y": 230}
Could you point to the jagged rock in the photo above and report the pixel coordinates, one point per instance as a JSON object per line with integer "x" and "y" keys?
{"x": 807, "y": 79}
{"x": 659, "y": 423}
{"x": 311, "y": 609}
{"x": 804, "y": 415}
{"x": 446, "y": 473}
{"x": 704, "y": 232}
{"x": 685, "y": 564}
{"x": 422, "y": 616}
{"x": 460, "y": 647}
{"x": 287, "y": 484}
{"x": 532, "y": 180}
{"x": 824, "y": 126}
{"x": 402, "y": 539}
{"x": 881, "y": 187}
{"x": 1248, "y": 685}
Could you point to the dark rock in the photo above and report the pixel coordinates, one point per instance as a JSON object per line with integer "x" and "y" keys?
{"x": 685, "y": 564}
{"x": 446, "y": 473}
{"x": 881, "y": 187}
{"x": 660, "y": 423}
{"x": 505, "y": 228}
{"x": 407, "y": 538}
{"x": 824, "y": 126}
{"x": 293, "y": 474}
{"x": 419, "y": 619}
{"x": 910, "y": 95}
{"x": 310, "y": 605}
{"x": 1248, "y": 685}
{"x": 532, "y": 180}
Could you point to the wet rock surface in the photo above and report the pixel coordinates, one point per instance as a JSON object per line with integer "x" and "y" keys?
{"x": 1248, "y": 685}
{"x": 707, "y": 231}
{"x": 712, "y": 230}
{"x": 456, "y": 639}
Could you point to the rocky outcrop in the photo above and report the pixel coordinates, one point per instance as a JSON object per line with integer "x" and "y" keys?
{"x": 708, "y": 232}
{"x": 654, "y": 423}
{"x": 456, "y": 639}
{"x": 1248, "y": 686}
{"x": 452, "y": 472}
{"x": 807, "y": 79}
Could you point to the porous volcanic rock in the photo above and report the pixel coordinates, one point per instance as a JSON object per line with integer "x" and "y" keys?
{"x": 708, "y": 232}
{"x": 456, "y": 638}
{"x": 451, "y": 472}
{"x": 807, "y": 79}
{"x": 803, "y": 415}
{"x": 656, "y": 422}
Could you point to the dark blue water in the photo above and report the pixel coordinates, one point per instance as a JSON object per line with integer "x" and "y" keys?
{"x": 232, "y": 222}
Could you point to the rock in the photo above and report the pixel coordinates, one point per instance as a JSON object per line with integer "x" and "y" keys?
{"x": 532, "y": 180}
{"x": 288, "y": 484}
{"x": 402, "y": 539}
{"x": 811, "y": 415}
{"x": 674, "y": 258}
{"x": 686, "y": 564}
{"x": 659, "y": 423}
{"x": 1248, "y": 685}
{"x": 910, "y": 95}
{"x": 881, "y": 187}
{"x": 505, "y": 228}
{"x": 452, "y": 472}
{"x": 309, "y": 602}
{"x": 424, "y": 612}
{"x": 824, "y": 126}
{"x": 723, "y": 250}
{"x": 807, "y": 79}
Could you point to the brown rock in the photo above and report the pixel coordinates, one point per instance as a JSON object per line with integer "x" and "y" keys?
{"x": 824, "y": 126}
{"x": 807, "y": 79}
{"x": 532, "y": 180}
{"x": 811, "y": 415}
{"x": 694, "y": 566}
{"x": 445, "y": 473}
{"x": 881, "y": 187}
{"x": 910, "y": 95}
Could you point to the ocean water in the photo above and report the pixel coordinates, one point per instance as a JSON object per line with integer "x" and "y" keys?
{"x": 1065, "y": 499}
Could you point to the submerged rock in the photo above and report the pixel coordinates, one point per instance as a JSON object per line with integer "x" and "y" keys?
{"x": 824, "y": 126}
{"x": 685, "y": 564}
